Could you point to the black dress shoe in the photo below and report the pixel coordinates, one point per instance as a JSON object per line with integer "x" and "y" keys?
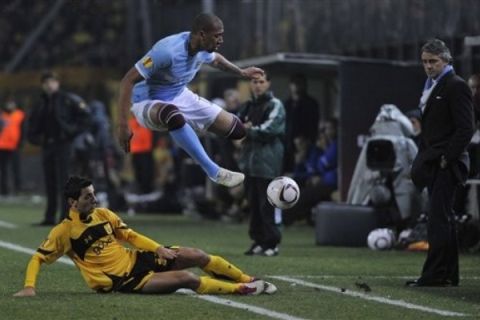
{"x": 431, "y": 283}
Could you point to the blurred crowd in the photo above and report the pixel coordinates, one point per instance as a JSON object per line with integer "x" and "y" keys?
{"x": 73, "y": 38}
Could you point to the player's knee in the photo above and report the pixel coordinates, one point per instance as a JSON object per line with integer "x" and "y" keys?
{"x": 195, "y": 256}
{"x": 237, "y": 130}
{"x": 171, "y": 117}
{"x": 188, "y": 279}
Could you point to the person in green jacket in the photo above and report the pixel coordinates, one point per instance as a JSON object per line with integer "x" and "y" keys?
{"x": 261, "y": 161}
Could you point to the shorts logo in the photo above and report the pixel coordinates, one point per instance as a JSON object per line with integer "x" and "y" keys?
{"x": 147, "y": 62}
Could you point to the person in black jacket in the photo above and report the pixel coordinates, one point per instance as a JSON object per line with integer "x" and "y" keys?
{"x": 442, "y": 162}
{"x": 302, "y": 116}
{"x": 52, "y": 124}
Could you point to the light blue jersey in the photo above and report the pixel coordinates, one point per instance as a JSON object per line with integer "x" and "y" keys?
{"x": 167, "y": 68}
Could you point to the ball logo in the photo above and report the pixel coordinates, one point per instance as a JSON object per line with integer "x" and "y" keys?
{"x": 381, "y": 239}
{"x": 289, "y": 193}
{"x": 283, "y": 192}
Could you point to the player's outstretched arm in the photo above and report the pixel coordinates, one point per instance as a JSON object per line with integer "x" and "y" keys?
{"x": 126, "y": 87}
{"x": 224, "y": 64}
{"x": 33, "y": 269}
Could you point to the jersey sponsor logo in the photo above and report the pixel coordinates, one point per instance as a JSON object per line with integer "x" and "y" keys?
{"x": 101, "y": 244}
{"x": 147, "y": 62}
{"x": 89, "y": 237}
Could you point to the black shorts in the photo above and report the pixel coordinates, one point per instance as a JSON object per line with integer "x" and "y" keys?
{"x": 147, "y": 263}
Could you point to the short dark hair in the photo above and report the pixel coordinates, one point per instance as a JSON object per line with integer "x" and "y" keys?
{"x": 48, "y": 74}
{"x": 73, "y": 187}
{"x": 300, "y": 80}
{"x": 205, "y": 22}
{"x": 267, "y": 75}
{"x": 439, "y": 48}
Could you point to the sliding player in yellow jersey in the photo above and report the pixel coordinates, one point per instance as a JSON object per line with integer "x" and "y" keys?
{"x": 92, "y": 238}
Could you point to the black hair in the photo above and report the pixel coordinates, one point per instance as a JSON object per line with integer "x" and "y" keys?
{"x": 438, "y": 48}
{"x": 300, "y": 81}
{"x": 205, "y": 22}
{"x": 267, "y": 75}
{"x": 46, "y": 75}
{"x": 73, "y": 187}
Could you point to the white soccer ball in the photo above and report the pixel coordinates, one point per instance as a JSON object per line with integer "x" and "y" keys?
{"x": 283, "y": 192}
{"x": 381, "y": 239}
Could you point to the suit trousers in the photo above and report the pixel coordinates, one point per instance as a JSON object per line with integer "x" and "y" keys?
{"x": 263, "y": 229}
{"x": 56, "y": 158}
{"x": 5, "y": 159}
{"x": 442, "y": 258}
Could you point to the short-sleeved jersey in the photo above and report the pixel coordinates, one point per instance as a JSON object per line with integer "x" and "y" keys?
{"x": 168, "y": 68}
{"x": 93, "y": 245}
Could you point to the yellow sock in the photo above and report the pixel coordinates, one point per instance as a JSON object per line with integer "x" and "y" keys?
{"x": 221, "y": 268}
{"x": 213, "y": 286}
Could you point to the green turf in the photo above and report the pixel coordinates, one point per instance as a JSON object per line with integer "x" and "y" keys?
{"x": 62, "y": 293}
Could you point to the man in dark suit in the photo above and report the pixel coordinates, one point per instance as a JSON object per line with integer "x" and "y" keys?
{"x": 442, "y": 162}
{"x": 53, "y": 124}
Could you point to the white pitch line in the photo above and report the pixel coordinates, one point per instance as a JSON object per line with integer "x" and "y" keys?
{"x": 229, "y": 303}
{"x": 399, "y": 303}
{"x": 243, "y": 306}
{"x": 15, "y": 247}
{"x": 8, "y": 225}
{"x": 332, "y": 276}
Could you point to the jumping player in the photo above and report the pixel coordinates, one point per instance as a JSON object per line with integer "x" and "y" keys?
{"x": 161, "y": 100}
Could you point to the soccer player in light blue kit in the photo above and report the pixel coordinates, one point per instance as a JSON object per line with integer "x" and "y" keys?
{"x": 161, "y": 100}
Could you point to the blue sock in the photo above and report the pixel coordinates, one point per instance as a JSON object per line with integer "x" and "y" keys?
{"x": 187, "y": 139}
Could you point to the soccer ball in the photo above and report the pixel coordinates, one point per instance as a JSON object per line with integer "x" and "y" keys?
{"x": 381, "y": 239}
{"x": 283, "y": 192}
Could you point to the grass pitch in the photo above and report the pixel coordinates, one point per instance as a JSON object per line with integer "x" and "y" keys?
{"x": 314, "y": 282}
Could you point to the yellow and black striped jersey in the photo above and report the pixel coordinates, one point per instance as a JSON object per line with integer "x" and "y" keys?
{"x": 94, "y": 245}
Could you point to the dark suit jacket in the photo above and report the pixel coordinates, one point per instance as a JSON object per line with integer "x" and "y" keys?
{"x": 447, "y": 128}
{"x": 70, "y": 117}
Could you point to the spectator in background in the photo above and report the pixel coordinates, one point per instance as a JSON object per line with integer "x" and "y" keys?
{"x": 107, "y": 157}
{"x": 141, "y": 147}
{"x": 317, "y": 172}
{"x": 12, "y": 120}
{"x": 53, "y": 124}
{"x": 229, "y": 202}
{"x": 415, "y": 116}
{"x": 442, "y": 162}
{"x": 232, "y": 100}
{"x": 302, "y": 117}
{"x": 474, "y": 84}
{"x": 474, "y": 148}
{"x": 261, "y": 161}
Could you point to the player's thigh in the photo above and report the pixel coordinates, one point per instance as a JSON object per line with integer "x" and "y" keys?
{"x": 190, "y": 257}
{"x": 170, "y": 281}
{"x": 222, "y": 123}
{"x": 154, "y": 113}
{"x": 146, "y": 113}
